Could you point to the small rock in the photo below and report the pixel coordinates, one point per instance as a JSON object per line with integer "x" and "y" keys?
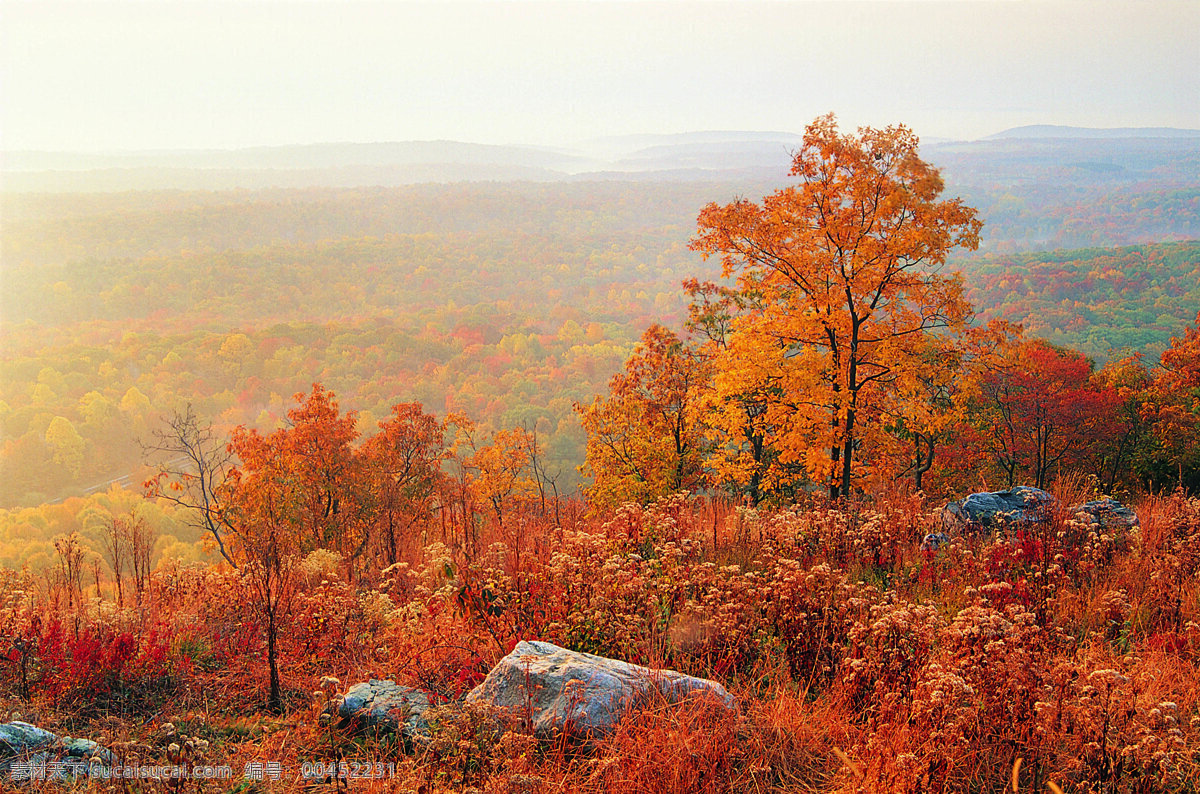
{"x": 1107, "y": 513}
{"x": 381, "y": 706}
{"x": 578, "y": 694}
{"x": 934, "y": 541}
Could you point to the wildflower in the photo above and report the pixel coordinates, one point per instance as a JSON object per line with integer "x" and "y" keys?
{"x": 1107, "y": 677}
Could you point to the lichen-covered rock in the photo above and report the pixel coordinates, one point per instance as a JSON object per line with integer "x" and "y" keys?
{"x": 1108, "y": 514}
{"x": 383, "y": 706}
{"x": 934, "y": 541}
{"x": 998, "y": 509}
{"x": 28, "y": 752}
{"x": 21, "y": 737}
{"x": 557, "y": 691}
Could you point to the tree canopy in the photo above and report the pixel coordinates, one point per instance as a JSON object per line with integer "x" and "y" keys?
{"x": 841, "y": 290}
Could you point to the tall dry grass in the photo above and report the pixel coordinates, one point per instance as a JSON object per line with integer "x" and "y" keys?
{"x": 861, "y": 662}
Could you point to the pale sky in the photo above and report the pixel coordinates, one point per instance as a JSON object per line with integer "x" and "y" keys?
{"x": 172, "y": 74}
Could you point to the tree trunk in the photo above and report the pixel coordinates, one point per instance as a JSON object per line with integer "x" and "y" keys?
{"x": 924, "y": 461}
{"x": 847, "y": 454}
{"x": 276, "y": 700}
{"x": 393, "y": 555}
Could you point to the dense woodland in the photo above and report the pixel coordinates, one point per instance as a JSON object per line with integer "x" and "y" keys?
{"x": 254, "y": 438}
{"x": 509, "y": 302}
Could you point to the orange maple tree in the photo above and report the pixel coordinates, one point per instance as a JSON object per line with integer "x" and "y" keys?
{"x": 1181, "y": 366}
{"x": 841, "y": 285}
{"x": 1175, "y": 400}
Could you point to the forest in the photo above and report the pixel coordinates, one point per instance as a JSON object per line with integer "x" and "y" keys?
{"x": 260, "y": 445}
{"x": 508, "y": 301}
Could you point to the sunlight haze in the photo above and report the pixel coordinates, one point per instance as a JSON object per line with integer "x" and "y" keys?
{"x": 102, "y": 76}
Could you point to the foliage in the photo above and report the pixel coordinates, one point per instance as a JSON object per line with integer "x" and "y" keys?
{"x": 645, "y": 440}
{"x": 505, "y": 302}
{"x": 1038, "y": 412}
{"x": 925, "y": 670}
{"x": 842, "y": 270}
{"x": 1099, "y": 301}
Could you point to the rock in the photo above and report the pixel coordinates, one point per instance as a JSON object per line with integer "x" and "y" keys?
{"x": 998, "y": 509}
{"x": 21, "y": 737}
{"x": 31, "y": 753}
{"x": 1108, "y": 514}
{"x": 382, "y": 706}
{"x": 86, "y": 749}
{"x": 934, "y": 541}
{"x": 577, "y": 694}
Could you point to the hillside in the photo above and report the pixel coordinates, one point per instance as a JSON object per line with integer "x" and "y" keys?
{"x": 1048, "y": 166}
{"x": 1059, "y": 131}
{"x": 388, "y": 491}
{"x": 1096, "y": 300}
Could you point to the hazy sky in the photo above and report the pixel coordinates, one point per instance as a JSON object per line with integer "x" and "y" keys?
{"x": 197, "y": 74}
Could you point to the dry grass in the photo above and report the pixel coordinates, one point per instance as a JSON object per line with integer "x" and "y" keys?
{"x": 1066, "y": 659}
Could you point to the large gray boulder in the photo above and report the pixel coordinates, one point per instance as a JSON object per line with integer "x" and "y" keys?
{"x": 1017, "y": 506}
{"x": 29, "y": 753}
{"x": 1023, "y": 506}
{"x": 382, "y": 706}
{"x": 556, "y": 691}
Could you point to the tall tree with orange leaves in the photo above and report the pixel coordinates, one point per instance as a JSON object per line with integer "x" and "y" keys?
{"x": 404, "y": 459}
{"x": 842, "y": 274}
{"x": 1181, "y": 366}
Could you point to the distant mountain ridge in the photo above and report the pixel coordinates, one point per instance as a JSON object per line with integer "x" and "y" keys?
{"x": 1120, "y": 154}
{"x": 1056, "y": 131}
{"x": 301, "y": 156}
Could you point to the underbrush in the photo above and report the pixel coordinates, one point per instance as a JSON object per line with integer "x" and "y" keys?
{"x": 1062, "y": 654}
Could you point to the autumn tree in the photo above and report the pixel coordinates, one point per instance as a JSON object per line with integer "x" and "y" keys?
{"x": 645, "y": 440}
{"x": 128, "y": 541}
{"x": 192, "y": 460}
{"x": 493, "y": 477}
{"x": 743, "y": 454}
{"x": 1174, "y": 399}
{"x": 404, "y": 461}
{"x": 66, "y": 445}
{"x": 1041, "y": 412}
{"x": 928, "y": 412}
{"x": 294, "y": 490}
{"x": 841, "y": 274}
{"x": 139, "y": 538}
{"x": 1126, "y": 450}
{"x": 335, "y": 492}
{"x": 1181, "y": 364}
{"x": 116, "y": 548}
{"x": 70, "y": 550}
{"x": 262, "y": 506}
{"x": 926, "y": 409}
